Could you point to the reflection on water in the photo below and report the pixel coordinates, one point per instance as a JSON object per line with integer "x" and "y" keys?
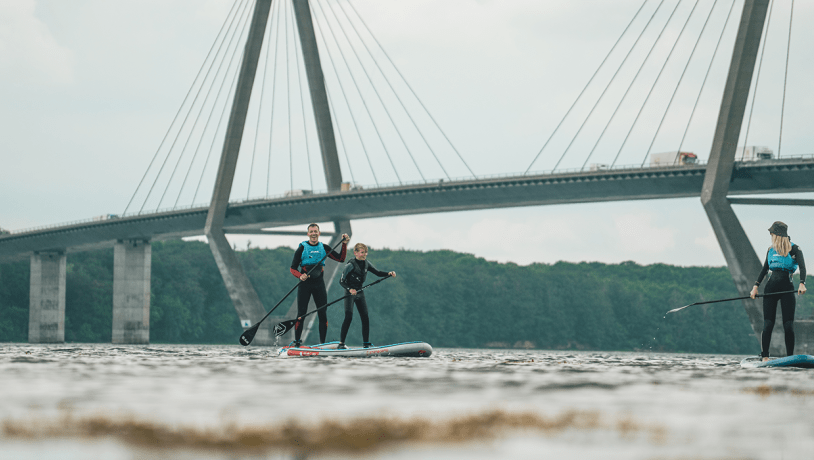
{"x": 109, "y": 401}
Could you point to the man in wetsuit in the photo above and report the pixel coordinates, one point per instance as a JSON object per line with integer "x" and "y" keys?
{"x": 309, "y": 254}
{"x": 783, "y": 259}
{"x": 353, "y": 277}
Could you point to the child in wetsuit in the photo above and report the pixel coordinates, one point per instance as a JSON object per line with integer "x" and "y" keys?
{"x": 353, "y": 277}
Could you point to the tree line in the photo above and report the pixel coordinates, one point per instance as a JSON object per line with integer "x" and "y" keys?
{"x": 445, "y": 298}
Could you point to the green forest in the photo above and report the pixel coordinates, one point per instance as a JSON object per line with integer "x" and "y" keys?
{"x": 445, "y": 298}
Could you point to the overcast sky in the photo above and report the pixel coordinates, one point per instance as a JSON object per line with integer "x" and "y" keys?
{"x": 89, "y": 89}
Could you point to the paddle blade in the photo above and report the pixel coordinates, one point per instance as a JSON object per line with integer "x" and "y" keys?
{"x": 285, "y": 326}
{"x": 248, "y": 335}
{"x": 681, "y": 308}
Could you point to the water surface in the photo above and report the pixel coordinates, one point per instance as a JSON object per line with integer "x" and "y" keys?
{"x": 193, "y": 401}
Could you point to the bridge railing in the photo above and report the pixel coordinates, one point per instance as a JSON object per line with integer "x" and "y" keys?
{"x": 203, "y": 206}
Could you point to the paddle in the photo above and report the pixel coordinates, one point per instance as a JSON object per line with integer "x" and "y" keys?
{"x": 727, "y": 300}
{"x": 248, "y": 335}
{"x": 285, "y": 326}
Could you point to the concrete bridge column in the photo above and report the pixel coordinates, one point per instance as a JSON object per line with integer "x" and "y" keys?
{"x": 131, "y": 291}
{"x": 46, "y": 318}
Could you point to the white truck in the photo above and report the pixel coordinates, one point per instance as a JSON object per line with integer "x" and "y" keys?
{"x": 753, "y": 153}
{"x": 296, "y": 192}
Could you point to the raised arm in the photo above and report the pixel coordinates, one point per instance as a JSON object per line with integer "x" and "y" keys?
{"x": 340, "y": 256}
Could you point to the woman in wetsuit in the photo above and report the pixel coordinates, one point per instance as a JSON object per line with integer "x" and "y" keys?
{"x": 782, "y": 259}
{"x": 353, "y": 277}
{"x": 309, "y": 254}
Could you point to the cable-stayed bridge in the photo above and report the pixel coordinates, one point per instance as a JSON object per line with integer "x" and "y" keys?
{"x": 380, "y": 131}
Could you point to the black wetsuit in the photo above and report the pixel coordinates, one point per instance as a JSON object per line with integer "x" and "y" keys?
{"x": 353, "y": 277}
{"x": 313, "y": 286}
{"x": 780, "y": 281}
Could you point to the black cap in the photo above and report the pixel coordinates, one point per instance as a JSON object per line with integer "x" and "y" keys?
{"x": 779, "y": 229}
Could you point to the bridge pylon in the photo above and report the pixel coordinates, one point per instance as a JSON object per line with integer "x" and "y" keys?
{"x": 244, "y": 297}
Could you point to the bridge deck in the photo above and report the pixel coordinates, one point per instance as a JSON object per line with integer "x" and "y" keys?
{"x": 777, "y": 176}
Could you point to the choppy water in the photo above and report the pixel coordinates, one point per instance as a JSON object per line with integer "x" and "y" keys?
{"x": 164, "y": 401}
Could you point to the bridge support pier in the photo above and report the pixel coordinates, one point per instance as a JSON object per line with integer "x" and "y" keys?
{"x": 46, "y": 318}
{"x": 132, "y": 260}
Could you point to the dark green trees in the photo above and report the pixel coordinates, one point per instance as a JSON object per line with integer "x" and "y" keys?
{"x": 445, "y": 298}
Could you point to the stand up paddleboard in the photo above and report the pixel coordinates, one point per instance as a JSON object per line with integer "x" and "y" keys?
{"x": 804, "y": 361}
{"x": 401, "y": 350}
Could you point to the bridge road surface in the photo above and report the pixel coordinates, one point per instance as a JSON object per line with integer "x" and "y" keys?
{"x": 788, "y": 175}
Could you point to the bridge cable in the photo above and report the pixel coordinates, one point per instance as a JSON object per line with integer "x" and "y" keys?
{"x": 656, "y": 81}
{"x": 344, "y": 96}
{"x": 225, "y": 110}
{"x": 359, "y": 91}
{"x": 704, "y": 82}
{"x": 381, "y": 101}
{"x": 260, "y": 106}
{"x": 182, "y": 104}
{"x": 757, "y": 78}
{"x": 586, "y": 87}
{"x": 206, "y": 128}
{"x": 223, "y": 116}
{"x": 635, "y": 77}
{"x": 273, "y": 93}
{"x": 392, "y": 88}
{"x": 785, "y": 78}
{"x": 288, "y": 101}
{"x": 203, "y": 134}
{"x": 608, "y": 85}
{"x": 678, "y": 85}
{"x": 411, "y": 89}
{"x": 302, "y": 100}
{"x": 192, "y": 130}
{"x": 347, "y": 102}
{"x": 186, "y": 117}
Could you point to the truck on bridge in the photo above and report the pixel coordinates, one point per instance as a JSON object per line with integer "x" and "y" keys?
{"x": 672, "y": 158}
{"x": 754, "y": 153}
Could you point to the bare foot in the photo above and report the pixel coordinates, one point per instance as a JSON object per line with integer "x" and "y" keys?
{"x": 765, "y": 359}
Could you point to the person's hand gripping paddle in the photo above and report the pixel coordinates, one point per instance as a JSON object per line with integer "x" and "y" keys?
{"x": 248, "y": 335}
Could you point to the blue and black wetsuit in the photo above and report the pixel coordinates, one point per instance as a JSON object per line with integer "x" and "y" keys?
{"x": 783, "y": 269}
{"x": 353, "y": 277}
{"x": 305, "y": 258}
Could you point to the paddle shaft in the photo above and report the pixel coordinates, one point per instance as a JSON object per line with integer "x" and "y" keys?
{"x": 344, "y": 297}
{"x": 283, "y": 327}
{"x": 733, "y": 298}
{"x": 256, "y": 325}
